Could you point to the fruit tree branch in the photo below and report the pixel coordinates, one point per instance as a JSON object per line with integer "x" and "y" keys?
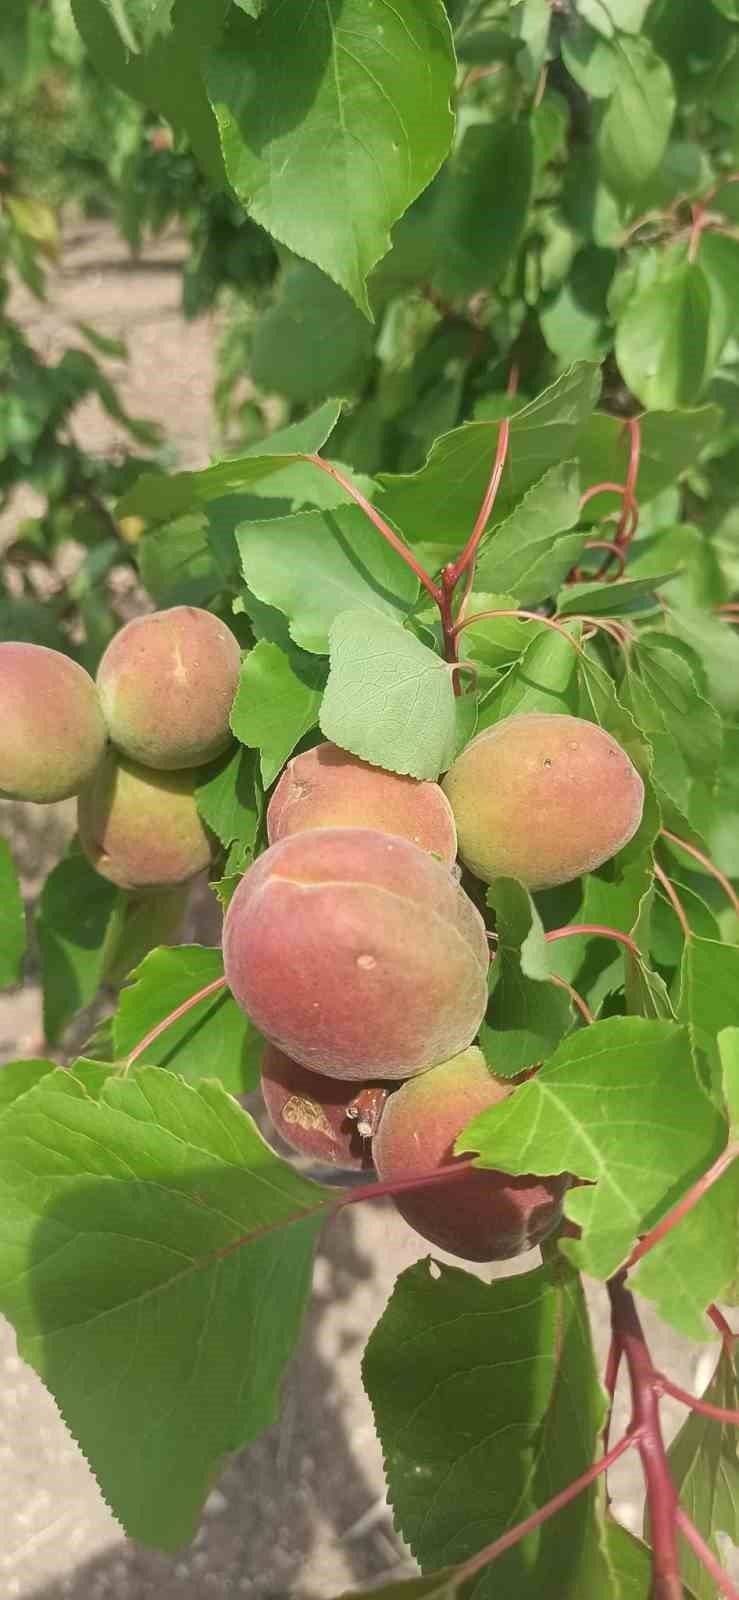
{"x": 706, "y": 1409}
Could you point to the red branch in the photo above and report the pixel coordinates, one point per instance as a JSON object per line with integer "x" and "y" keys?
{"x": 727, "y": 1334}
{"x": 594, "y": 928}
{"x": 174, "y": 1016}
{"x": 686, "y": 1204}
{"x": 707, "y": 863}
{"x": 381, "y": 525}
{"x": 666, "y": 1386}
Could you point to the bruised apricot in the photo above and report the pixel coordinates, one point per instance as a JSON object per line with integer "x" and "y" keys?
{"x": 356, "y": 953}
{"x": 312, "y": 1112}
{"x": 543, "y": 798}
{"x": 329, "y": 788}
{"x": 167, "y": 683}
{"x": 482, "y": 1215}
{"x": 52, "y": 733}
{"x": 141, "y": 829}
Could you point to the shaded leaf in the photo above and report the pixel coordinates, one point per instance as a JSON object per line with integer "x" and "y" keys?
{"x": 214, "y": 1039}
{"x": 72, "y": 919}
{"x": 705, "y": 1470}
{"x": 277, "y": 701}
{"x": 528, "y": 1014}
{"x": 227, "y": 797}
{"x": 662, "y": 338}
{"x": 526, "y": 555}
{"x": 484, "y": 205}
{"x": 638, "y": 118}
{"x": 12, "y": 921}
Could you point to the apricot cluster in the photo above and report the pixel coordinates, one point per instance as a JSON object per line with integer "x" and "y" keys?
{"x": 354, "y": 949}
{"x": 128, "y": 745}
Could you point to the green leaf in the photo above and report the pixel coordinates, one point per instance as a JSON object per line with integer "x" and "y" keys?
{"x": 487, "y": 1402}
{"x": 440, "y": 502}
{"x": 291, "y": 353}
{"x": 277, "y": 701}
{"x": 338, "y": 122}
{"x": 614, "y": 16}
{"x": 527, "y": 555}
{"x": 17, "y": 1077}
{"x": 709, "y": 995}
{"x": 481, "y": 235}
{"x": 140, "y": 22}
{"x": 497, "y": 641}
{"x": 543, "y": 679}
{"x": 618, "y": 1104}
{"x": 73, "y": 915}
{"x": 705, "y": 1471}
{"x": 638, "y": 118}
{"x": 718, "y": 257}
{"x": 213, "y": 1040}
{"x": 168, "y": 78}
{"x": 12, "y": 921}
{"x": 717, "y": 647}
{"x": 528, "y": 1014}
{"x": 575, "y": 319}
{"x": 316, "y": 564}
{"x": 389, "y": 699}
{"x": 670, "y": 442}
{"x": 620, "y": 596}
{"x": 665, "y": 699}
{"x": 227, "y": 797}
{"x": 728, "y": 1045}
{"x": 155, "y": 1265}
{"x": 662, "y": 339}
{"x": 160, "y": 499}
{"x": 680, "y": 1275}
{"x": 177, "y": 565}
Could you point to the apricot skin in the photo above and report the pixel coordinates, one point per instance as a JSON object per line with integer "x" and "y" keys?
{"x": 309, "y": 1111}
{"x": 329, "y": 788}
{"x": 141, "y": 829}
{"x": 485, "y": 1215}
{"x": 543, "y": 798}
{"x": 356, "y": 953}
{"x": 52, "y": 731}
{"x": 167, "y": 683}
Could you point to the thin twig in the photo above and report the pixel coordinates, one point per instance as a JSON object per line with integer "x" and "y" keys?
{"x": 674, "y": 900}
{"x": 174, "y": 1016}
{"x": 707, "y": 863}
{"x": 576, "y": 998}
{"x": 470, "y": 550}
{"x": 686, "y": 1204}
{"x": 381, "y": 525}
{"x": 594, "y": 928}
{"x": 705, "y": 1556}
{"x": 706, "y": 1409}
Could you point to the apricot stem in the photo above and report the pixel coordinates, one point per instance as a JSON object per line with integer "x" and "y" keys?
{"x": 706, "y": 1409}
{"x": 174, "y": 1016}
{"x": 687, "y": 1203}
{"x": 705, "y": 861}
{"x": 596, "y": 929}
{"x": 381, "y": 525}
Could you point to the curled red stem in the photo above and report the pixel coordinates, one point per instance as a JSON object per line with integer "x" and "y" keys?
{"x": 614, "y": 550}
{"x": 174, "y": 1016}
{"x": 707, "y": 863}
{"x": 522, "y": 616}
{"x": 606, "y": 487}
{"x": 686, "y": 1204}
{"x": 706, "y": 1409}
{"x": 674, "y": 900}
{"x": 383, "y": 527}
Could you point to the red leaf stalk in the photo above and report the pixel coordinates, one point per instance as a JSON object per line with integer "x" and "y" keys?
{"x": 674, "y": 900}
{"x": 174, "y": 1016}
{"x": 705, "y": 861}
{"x": 383, "y": 527}
{"x": 686, "y": 1204}
{"x": 706, "y": 1409}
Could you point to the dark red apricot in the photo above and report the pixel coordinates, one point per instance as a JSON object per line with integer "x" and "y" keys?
{"x": 482, "y": 1215}
{"x": 141, "y": 829}
{"x": 312, "y": 1112}
{"x": 329, "y": 788}
{"x": 52, "y": 733}
{"x": 356, "y": 953}
{"x": 167, "y": 683}
{"x": 543, "y": 798}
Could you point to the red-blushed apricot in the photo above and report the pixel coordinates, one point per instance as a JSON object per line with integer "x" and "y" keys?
{"x": 167, "y": 683}
{"x": 311, "y": 1112}
{"x": 356, "y": 953}
{"x": 52, "y": 733}
{"x": 329, "y": 788}
{"x": 482, "y": 1215}
{"x": 141, "y": 829}
{"x": 543, "y": 798}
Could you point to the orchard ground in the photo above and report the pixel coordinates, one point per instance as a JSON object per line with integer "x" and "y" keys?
{"x": 302, "y": 1513}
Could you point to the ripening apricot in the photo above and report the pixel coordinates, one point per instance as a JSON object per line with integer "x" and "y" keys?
{"x": 311, "y": 1112}
{"x": 167, "y": 683}
{"x": 141, "y": 829}
{"x": 543, "y": 798}
{"x": 481, "y": 1215}
{"x": 329, "y": 788}
{"x": 52, "y": 733}
{"x": 356, "y": 953}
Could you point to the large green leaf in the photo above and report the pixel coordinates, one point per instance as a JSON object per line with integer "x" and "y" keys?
{"x": 705, "y": 1471}
{"x": 440, "y": 502}
{"x": 532, "y": 551}
{"x": 543, "y": 679}
{"x": 291, "y": 353}
{"x": 316, "y": 564}
{"x": 662, "y": 338}
{"x": 670, "y": 441}
{"x": 12, "y": 920}
{"x": 389, "y": 699}
{"x": 680, "y": 1275}
{"x": 75, "y": 911}
{"x": 214, "y": 1039}
{"x": 155, "y": 1263}
{"x": 228, "y": 798}
{"x": 140, "y": 22}
{"x": 618, "y": 1104}
{"x": 487, "y": 1403}
{"x": 333, "y": 119}
{"x": 638, "y": 119}
{"x": 484, "y": 205}
{"x": 277, "y": 702}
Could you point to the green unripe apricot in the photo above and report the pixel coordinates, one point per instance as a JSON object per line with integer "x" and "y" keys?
{"x": 542, "y": 798}
{"x": 167, "y": 683}
{"x": 52, "y": 733}
{"x": 483, "y": 1215}
{"x": 141, "y": 829}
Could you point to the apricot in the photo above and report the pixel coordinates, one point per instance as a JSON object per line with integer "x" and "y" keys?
{"x": 312, "y": 1112}
{"x": 542, "y": 798}
{"x": 483, "y": 1215}
{"x": 141, "y": 829}
{"x": 167, "y": 683}
{"x": 356, "y": 953}
{"x": 52, "y": 733}
{"x": 329, "y": 788}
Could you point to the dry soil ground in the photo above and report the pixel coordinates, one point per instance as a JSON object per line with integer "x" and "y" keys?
{"x": 302, "y": 1512}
